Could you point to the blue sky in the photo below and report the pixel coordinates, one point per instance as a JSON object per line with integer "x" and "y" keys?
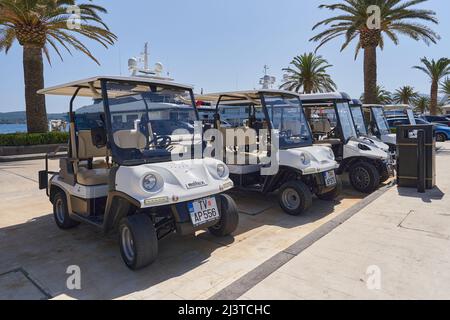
{"x": 223, "y": 45}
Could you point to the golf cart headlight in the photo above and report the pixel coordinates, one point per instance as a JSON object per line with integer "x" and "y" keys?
{"x": 149, "y": 182}
{"x": 304, "y": 159}
{"x": 221, "y": 170}
{"x": 364, "y": 147}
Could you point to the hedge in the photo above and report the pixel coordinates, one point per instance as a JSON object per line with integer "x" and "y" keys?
{"x": 33, "y": 139}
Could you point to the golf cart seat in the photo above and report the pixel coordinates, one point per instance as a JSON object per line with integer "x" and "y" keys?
{"x": 321, "y": 126}
{"x": 92, "y": 177}
{"x": 130, "y": 139}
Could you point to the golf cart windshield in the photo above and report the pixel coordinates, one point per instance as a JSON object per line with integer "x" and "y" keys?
{"x": 358, "y": 117}
{"x": 411, "y": 118}
{"x": 381, "y": 122}
{"x": 148, "y": 121}
{"x": 346, "y": 120}
{"x": 287, "y": 116}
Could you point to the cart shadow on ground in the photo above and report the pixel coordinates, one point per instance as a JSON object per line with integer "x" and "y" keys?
{"x": 46, "y": 252}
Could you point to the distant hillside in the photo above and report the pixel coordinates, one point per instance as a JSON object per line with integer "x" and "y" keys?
{"x": 19, "y": 117}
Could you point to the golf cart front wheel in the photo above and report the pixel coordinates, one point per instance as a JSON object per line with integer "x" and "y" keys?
{"x": 440, "y": 137}
{"x": 295, "y": 198}
{"x": 364, "y": 177}
{"x": 229, "y": 217}
{"x": 138, "y": 241}
{"x": 333, "y": 194}
{"x": 61, "y": 212}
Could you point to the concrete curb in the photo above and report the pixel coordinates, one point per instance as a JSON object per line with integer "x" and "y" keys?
{"x": 251, "y": 279}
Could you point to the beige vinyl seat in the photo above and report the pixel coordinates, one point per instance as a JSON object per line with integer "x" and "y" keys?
{"x": 99, "y": 174}
{"x": 323, "y": 126}
{"x": 92, "y": 177}
{"x": 130, "y": 139}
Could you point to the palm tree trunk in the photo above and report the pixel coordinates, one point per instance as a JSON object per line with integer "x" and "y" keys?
{"x": 33, "y": 68}
{"x": 370, "y": 74}
{"x": 434, "y": 97}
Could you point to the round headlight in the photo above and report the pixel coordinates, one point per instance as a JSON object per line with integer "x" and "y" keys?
{"x": 221, "y": 170}
{"x": 149, "y": 182}
{"x": 304, "y": 159}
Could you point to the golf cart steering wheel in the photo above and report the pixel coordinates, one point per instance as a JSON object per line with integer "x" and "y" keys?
{"x": 332, "y": 133}
{"x": 162, "y": 142}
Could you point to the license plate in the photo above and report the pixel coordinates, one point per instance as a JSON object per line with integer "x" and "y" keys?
{"x": 203, "y": 211}
{"x": 330, "y": 178}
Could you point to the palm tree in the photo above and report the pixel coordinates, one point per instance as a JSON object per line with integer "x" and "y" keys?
{"x": 436, "y": 70}
{"x": 446, "y": 87}
{"x": 354, "y": 22}
{"x": 422, "y": 104}
{"x": 39, "y": 25}
{"x": 382, "y": 96}
{"x": 405, "y": 95}
{"x": 308, "y": 73}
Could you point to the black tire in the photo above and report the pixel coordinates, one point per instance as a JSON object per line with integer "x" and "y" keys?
{"x": 229, "y": 217}
{"x": 333, "y": 194}
{"x": 364, "y": 177}
{"x": 61, "y": 212}
{"x": 440, "y": 137}
{"x": 384, "y": 175}
{"x": 143, "y": 248}
{"x": 295, "y": 197}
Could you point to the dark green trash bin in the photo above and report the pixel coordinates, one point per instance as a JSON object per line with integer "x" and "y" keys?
{"x": 407, "y": 156}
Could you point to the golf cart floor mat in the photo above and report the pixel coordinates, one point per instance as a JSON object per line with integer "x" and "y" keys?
{"x": 18, "y": 285}
{"x": 253, "y": 204}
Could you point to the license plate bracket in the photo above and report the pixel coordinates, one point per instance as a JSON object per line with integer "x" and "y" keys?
{"x": 203, "y": 211}
{"x": 330, "y": 178}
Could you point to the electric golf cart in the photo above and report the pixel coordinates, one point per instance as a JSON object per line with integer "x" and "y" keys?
{"x": 301, "y": 168}
{"x": 372, "y": 124}
{"x": 119, "y": 174}
{"x": 332, "y": 124}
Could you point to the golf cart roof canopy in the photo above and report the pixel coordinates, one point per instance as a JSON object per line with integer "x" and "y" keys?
{"x": 397, "y": 107}
{"x": 240, "y": 96}
{"x": 373, "y": 106}
{"x": 92, "y": 87}
{"x": 330, "y": 96}
{"x": 356, "y": 102}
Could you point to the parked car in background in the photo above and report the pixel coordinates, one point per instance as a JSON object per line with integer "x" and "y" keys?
{"x": 443, "y": 120}
{"x": 442, "y": 131}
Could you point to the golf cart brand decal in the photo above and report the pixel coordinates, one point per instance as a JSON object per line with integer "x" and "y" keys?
{"x": 203, "y": 211}
{"x": 196, "y": 184}
{"x": 154, "y": 201}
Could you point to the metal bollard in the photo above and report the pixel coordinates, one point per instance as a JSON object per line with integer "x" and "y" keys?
{"x": 421, "y": 186}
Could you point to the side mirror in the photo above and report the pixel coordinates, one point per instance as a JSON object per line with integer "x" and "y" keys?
{"x": 98, "y": 136}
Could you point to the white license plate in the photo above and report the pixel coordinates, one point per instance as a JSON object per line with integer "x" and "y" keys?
{"x": 203, "y": 211}
{"x": 330, "y": 178}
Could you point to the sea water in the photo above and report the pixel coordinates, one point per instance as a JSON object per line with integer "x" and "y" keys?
{"x": 12, "y": 128}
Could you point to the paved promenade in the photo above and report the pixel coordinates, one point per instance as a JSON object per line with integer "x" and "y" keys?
{"x": 398, "y": 247}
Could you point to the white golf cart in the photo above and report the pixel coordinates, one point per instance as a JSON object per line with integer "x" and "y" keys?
{"x": 302, "y": 170}
{"x": 332, "y": 124}
{"x": 372, "y": 123}
{"x": 119, "y": 174}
